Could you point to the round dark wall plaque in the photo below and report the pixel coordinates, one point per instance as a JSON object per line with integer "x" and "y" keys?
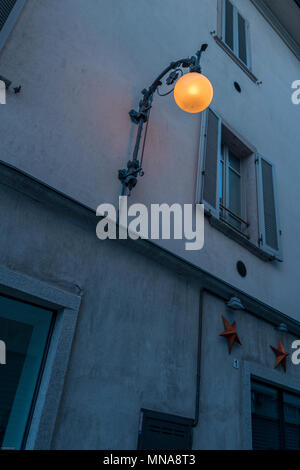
{"x": 241, "y": 268}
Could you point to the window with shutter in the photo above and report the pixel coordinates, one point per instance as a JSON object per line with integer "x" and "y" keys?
{"x": 9, "y": 12}
{"x": 270, "y": 235}
{"x": 235, "y": 32}
{"x": 226, "y": 176}
{"x": 223, "y": 161}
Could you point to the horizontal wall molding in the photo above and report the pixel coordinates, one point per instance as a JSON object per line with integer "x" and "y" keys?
{"x": 36, "y": 291}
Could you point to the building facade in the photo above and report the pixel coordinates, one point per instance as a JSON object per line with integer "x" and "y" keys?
{"x": 116, "y": 344}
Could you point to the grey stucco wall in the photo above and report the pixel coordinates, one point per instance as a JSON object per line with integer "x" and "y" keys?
{"x": 136, "y": 339}
{"x": 82, "y": 65}
{"x": 135, "y": 343}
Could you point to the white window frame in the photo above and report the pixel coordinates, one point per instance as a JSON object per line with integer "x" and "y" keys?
{"x": 10, "y": 22}
{"x": 235, "y": 49}
{"x": 226, "y": 215}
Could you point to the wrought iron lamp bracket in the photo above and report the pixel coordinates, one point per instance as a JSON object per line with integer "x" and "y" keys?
{"x": 129, "y": 175}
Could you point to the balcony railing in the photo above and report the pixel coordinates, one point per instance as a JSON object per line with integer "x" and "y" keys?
{"x": 243, "y": 223}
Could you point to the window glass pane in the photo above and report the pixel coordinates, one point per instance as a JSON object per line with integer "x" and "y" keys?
{"x": 234, "y": 193}
{"x": 234, "y": 162}
{"x": 229, "y": 24}
{"x": 221, "y": 181}
{"x": 24, "y": 329}
{"x": 265, "y": 401}
{"x": 242, "y": 39}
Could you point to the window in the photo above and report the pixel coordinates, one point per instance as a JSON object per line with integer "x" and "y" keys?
{"x": 24, "y": 330}
{"x": 160, "y": 431}
{"x": 231, "y": 189}
{"x": 235, "y": 32}
{"x": 275, "y": 418}
{"x": 238, "y": 188}
{"x": 9, "y": 13}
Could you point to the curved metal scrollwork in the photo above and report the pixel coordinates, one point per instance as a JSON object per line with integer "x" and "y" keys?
{"x": 129, "y": 175}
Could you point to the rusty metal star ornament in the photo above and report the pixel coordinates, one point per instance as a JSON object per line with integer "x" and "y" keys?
{"x": 230, "y": 334}
{"x": 281, "y": 355}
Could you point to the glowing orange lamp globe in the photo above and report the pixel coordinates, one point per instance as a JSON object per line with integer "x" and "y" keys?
{"x": 193, "y": 92}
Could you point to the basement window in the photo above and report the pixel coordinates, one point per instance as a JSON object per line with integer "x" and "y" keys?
{"x": 160, "y": 431}
{"x": 231, "y": 190}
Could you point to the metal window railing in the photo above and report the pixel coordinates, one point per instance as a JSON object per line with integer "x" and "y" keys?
{"x": 244, "y": 224}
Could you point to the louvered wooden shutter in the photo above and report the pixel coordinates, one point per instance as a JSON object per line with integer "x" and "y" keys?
{"x": 228, "y": 24}
{"x": 211, "y": 150}
{"x": 270, "y": 235}
{"x": 9, "y": 12}
{"x": 265, "y": 433}
{"x": 292, "y": 436}
{"x": 243, "y": 39}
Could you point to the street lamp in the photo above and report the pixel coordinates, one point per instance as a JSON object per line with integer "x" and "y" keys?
{"x": 193, "y": 93}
